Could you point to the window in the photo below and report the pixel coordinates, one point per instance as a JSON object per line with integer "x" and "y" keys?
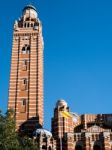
{"x": 25, "y": 25}
{"x": 44, "y": 147}
{"x": 23, "y": 50}
{"x": 23, "y": 106}
{"x": 31, "y": 24}
{"x": 28, "y": 25}
{"x": 24, "y": 81}
{"x": 23, "y": 102}
{"x": 26, "y": 49}
{"x": 23, "y": 84}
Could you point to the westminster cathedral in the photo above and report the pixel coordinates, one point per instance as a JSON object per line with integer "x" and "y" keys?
{"x": 68, "y": 131}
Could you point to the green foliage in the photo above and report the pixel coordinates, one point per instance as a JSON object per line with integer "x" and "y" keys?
{"x": 9, "y": 139}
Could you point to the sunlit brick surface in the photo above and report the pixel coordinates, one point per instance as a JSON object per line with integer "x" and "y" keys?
{"x": 89, "y": 132}
{"x": 26, "y": 75}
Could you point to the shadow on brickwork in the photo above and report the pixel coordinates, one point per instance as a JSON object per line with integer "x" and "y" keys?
{"x": 29, "y": 126}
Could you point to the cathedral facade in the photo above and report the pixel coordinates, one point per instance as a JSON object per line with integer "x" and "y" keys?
{"x": 76, "y": 132}
{"x": 81, "y": 132}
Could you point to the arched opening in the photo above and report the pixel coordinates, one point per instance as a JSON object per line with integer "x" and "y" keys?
{"x": 49, "y": 147}
{"x": 31, "y": 24}
{"x": 44, "y": 147}
{"x": 26, "y": 49}
{"x": 23, "y": 50}
{"x": 78, "y": 147}
{"x": 96, "y": 147}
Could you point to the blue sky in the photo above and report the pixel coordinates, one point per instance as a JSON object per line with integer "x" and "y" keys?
{"x": 77, "y": 55}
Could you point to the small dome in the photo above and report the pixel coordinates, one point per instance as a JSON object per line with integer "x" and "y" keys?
{"x": 61, "y": 103}
{"x": 30, "y": 11}
{"x": 43, "y": 132}
{"x": 29, "y": 7}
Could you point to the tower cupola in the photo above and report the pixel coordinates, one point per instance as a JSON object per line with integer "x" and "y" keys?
{"x": 30, "y": 11}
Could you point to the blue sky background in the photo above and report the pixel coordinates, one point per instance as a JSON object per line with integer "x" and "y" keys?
{"x": 77, "y": 55}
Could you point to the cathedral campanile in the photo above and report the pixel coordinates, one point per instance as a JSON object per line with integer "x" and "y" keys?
{"x": 26, "y": 75}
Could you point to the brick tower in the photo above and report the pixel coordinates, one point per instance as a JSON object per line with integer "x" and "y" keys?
{"x": 26, "y": 76}
{"x": 61, "y": 126}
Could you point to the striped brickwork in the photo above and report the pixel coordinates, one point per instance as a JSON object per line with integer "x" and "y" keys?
{"x": 26, "y": 75}
{"x": 90, "y": 132}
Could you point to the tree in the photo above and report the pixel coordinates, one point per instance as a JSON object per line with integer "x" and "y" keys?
{"x": 8, "y": 136}
{"x": 9, "y": 139}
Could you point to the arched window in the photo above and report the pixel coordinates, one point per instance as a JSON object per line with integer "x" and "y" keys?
{"x": 23, "y": 84}
{"x": 23, "y": 102}
{"x": 44, "y": 147}
{"x": 23, "y": 50}
{"x": 96, "y": 147}
{"x": 26, "y": 49}
{"x": 25, "y": 25}
{"x": 23, "y": 106}
{"x": 24, "y": 81}
{"x": 78, "y": 147}
{"x": 28, "y": 25}
{"x": 31, "y": 24}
